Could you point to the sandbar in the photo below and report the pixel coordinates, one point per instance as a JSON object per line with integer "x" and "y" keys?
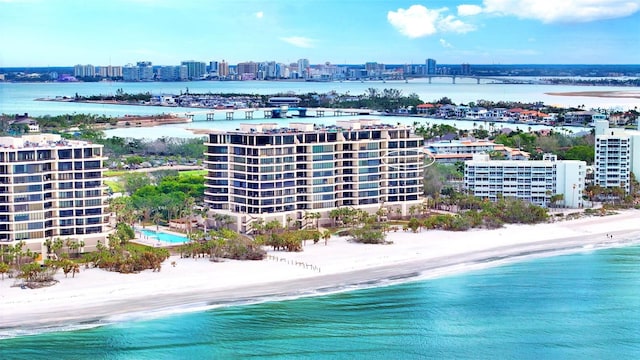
{"x": 98, "y": 296}
{"x": 602, "y": 94}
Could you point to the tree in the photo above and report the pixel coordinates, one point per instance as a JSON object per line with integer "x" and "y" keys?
{"x": 134, "y": 181}
{"x": 368, "y": 234}
{"x": 326, "y": 235}
{"x": 555, "y": 199}
{"x": 580, "y": 152}
{"x": 4, "y": 268}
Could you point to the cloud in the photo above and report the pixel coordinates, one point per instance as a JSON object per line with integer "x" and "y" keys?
{"x": 445, "y": 44}
{"x": 451, "y": 24}
{"x": 259, "y": 14}
{"x": 418, "y": 21}
{"x": 469, "y": 10}
{"x": 299, "y": 41}
{"x": 567, "y": 11}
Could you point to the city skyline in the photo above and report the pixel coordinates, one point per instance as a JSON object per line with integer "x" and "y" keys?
{"x": 63, "y": 33}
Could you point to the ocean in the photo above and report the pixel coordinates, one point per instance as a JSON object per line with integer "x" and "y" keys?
{"x": 579, "y": 306}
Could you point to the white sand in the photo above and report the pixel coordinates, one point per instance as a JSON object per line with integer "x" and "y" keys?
{"x": 97, "y": 294}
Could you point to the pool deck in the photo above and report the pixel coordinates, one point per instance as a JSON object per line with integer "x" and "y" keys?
{"x": 141, "y": 238}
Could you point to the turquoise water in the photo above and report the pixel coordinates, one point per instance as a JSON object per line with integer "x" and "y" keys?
{"x": 164, "y": 237}
{"x": 582, "y": 306}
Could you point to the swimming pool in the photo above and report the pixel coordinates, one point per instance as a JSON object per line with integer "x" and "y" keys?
{"x": 164, "y": 237}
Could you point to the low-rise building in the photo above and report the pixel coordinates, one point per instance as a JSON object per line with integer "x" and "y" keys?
{"x": 452, "y": 151}
{"x": 535, "y": 181}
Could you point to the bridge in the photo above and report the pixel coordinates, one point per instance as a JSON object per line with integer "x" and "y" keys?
{"x": 501, "y": 80}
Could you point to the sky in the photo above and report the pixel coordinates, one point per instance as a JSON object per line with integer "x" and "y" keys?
{"x": 166, "y": 32}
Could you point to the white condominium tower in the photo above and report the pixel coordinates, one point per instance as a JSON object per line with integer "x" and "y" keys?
{"x": 263, "y": 171}
{"x": 616, "y": 156}
{"x": 51, "y": 188}
{"x": 534, "y": 181}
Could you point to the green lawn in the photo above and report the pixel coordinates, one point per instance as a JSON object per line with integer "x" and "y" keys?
{"x": 115, "y": 186}
{"x": 193, "y": 172}
{"x": 112, "y": 173}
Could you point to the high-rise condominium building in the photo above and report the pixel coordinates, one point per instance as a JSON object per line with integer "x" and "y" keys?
{"x": 142, "y": 71}
{"x": 534, "y": 181}
{"x": 304, "y": 68}
{"x": 173, "y": 73}
{"x": 617, "y": 155}
{"x": 109, "y": 71}
{"x": 84, "y": 71}
{"x": 51, "y": 188}
{"x": 431, "y": 66}
{"x": 195, "y": 69}
{"x": 223, "y": 69}
{"x": 262, "y": 171}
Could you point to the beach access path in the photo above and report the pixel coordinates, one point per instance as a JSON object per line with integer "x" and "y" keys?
{"x": 96, "y": 295}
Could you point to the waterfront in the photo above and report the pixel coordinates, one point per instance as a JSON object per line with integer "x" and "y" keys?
{"x": 526, "y": 310}
{"x": 16, "y": 98}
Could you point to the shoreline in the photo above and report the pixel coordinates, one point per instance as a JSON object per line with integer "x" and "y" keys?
{"x": 195, "y": 285}
{"x": 600, "y": 94}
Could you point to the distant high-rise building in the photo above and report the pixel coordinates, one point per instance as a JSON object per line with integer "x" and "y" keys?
{"x": 84, "y": 71}
{"x": 114, "y": 71}
{"x": 247, "y": 69}
{"x": 145, "y": 70}
{"x": 374, "y": 69}
{"x": 130, "y": 73}
{"x": 173, "y": 73}
{"x": 223, "y": 69}
{"x": 431, "y": 66}
{"x": 465, "y": 69}
{"x": 142, "y": 71}
{"x": 303, "y": 68}
{"x": 195, "y": 69}
{"x": 109, "y": 71}
{"x": 213, "y": 67}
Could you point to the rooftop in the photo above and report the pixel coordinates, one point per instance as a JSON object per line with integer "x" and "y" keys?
{"x": 39, "y": 141}
{"x": 300, "y": 127}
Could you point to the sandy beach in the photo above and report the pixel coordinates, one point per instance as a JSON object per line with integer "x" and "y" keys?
{"x": 96, "y": 295}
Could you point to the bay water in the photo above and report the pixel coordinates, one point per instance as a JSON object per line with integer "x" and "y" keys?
{"x": 19, "y": 98}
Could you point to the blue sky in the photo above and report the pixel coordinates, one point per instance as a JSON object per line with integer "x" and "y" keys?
{"x": 117, "y": 32}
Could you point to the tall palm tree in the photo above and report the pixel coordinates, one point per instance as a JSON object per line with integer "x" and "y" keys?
{"x": 326, "y": 235}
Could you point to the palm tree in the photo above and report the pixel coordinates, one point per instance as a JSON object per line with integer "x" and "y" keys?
{"x": 315, "y": 217}
{"x": 58, "y": 244}
{"x": 48, "y": 243}
{"x": 258, "y": 226}
{"x": 326, "y": 235}
{"x": 75, "y": 268}
{"x": 4, "y": 268}
{"x": 157, "y": 216}
{"x": 412, "y": 210}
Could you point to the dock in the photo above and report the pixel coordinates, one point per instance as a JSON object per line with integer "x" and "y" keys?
{"x": 273, "y": 113}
